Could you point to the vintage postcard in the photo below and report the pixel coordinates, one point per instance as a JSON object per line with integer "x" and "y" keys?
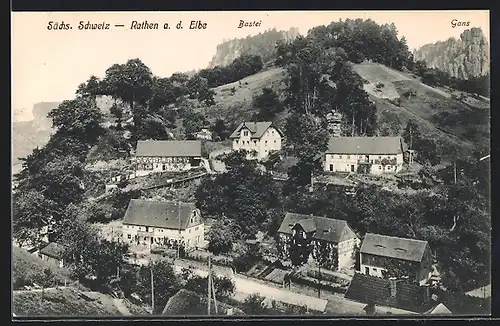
{"x": 278, "y": 163}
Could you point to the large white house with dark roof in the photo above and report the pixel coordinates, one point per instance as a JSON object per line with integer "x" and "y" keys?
{"x": 375, "y": 155}
{"x": 380, "y": 253}
{"x": 163, "y": 223}
{"x": 336, "y": 236}
{"x": 167, "y": 155}
{"x": 262, "y": 137}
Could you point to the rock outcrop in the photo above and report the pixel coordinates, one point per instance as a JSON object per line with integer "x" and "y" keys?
{"x": 262, "y": 44}
{"x": 462, "y": 58}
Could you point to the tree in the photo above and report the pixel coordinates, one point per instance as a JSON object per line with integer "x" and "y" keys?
{"x": 411, "y": 134}
{"x": 221, "y": 236}
{"x": 132, "y": 83}
{"x": 192, "y": 122}
{"x": 91, "y": 88}
{"x": 254, "y": 305}
{"x": 166, "y": 283}
{"x": 224, "y": 286}
{"x": 307, "y": 136}
{"x": 244, "y": 194}
{"x": 30, "y": 213}
{"x": 79, "y": 119}
{"x": 268, "y": 104}
{"x": 221, "y": 130}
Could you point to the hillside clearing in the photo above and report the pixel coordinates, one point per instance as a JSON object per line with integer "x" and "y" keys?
{"x": 234, "y": 100}
{"x": 28, "y": 269}
{"x": 67, "y": 302}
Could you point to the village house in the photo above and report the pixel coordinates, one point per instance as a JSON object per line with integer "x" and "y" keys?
{"x": 403, "y": 294}
{"x": 261, "y": 137}
{"x": 163, "y": 223}
{"x": 375, "y": 155}
{"x": 52, "y": 252}
{"x": 321, "y": 233}
{"x": 167, "y": 155}
{"x": 204, "y": 133}
{"x": 380, "y": 254}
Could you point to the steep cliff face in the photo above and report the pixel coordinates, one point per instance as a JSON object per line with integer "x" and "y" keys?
{"x": 261, "y": 44}
{"x": 40, "y": 111}
{"x": 464, "y": 58}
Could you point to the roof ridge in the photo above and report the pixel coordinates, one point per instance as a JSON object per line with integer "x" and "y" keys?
{"x": 391, "y": 236}
{"x": 162, "y": 201}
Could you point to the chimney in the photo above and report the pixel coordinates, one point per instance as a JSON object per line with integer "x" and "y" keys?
{"x": 393, "y": 285}
{"x": 426, "y": 292}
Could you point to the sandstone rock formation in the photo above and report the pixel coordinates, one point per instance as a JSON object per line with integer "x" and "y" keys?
{"x": 262, "y": 44}
{"x": 462, "y": 58}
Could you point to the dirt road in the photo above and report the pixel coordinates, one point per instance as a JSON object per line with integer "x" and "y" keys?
{"x": 245, "y": 286}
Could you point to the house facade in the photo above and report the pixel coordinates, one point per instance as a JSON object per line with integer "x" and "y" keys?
{"x": 374, "y": 155}
{"x": 167, "y": 155}
{"x": 261, "y": 137}
{"x": 53, "y": 253}
{"x": 163, "y": 223}
{"x": 204, "y": 133}
{"x": 381, "y": 254}
{"x": 315, "y": 236}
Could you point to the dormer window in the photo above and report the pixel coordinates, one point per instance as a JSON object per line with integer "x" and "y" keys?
{"x": 379, "y": 246}
{"x": 399, "y": 249}
{"x": 245, "y": 133}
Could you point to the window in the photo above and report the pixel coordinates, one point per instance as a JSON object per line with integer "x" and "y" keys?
{"x": 255, "y": 143}
{"x": 245, "y": 133}
{"x": 374, "y": 269}
{"x": 265, "y": 143}
{"x": 189, "y": 231}
{"x": 194, "y": 213}
{"x": 265, "y": 151}
{"x": 196, "y": 228}
{"x": 340, "y": 156}
{"x": 248, "y": 142}
{"x": 145, "y": 238}
{"x": 348, "y": 156}
{"x": 380, "y": 167}
{"x": 237, "y": 141}
{"x": 129, "y": 236}
{"x": 275, "y": 141}
{"x": 331, "y": 167}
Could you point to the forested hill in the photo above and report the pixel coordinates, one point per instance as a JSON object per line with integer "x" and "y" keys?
{"x": 261, "y": 44}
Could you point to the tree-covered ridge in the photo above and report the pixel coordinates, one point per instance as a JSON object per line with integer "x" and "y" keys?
{"x": 360, "y": 39}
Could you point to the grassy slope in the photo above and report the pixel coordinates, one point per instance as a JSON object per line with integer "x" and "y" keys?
{"x": 68, "y": 302}
{"x": 31, "y": 268}
{"x": 236, "y": 107}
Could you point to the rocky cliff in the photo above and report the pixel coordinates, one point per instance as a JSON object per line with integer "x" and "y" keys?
{"x": 40, "y": 111}
{"x": 462, "y": 58}
{"x": 262, "y": 44}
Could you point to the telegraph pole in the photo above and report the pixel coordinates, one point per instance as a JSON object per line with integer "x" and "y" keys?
{"x": 152, "y": 289}
{"x": 209, "y": 281}
{"x": 455, "y": 171}
{"x": 180, "y": 237}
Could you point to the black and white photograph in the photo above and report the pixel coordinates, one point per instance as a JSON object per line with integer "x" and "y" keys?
{"x": 251, "y": 163}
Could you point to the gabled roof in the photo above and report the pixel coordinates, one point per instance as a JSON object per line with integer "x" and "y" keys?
{"x": 53, "y": 250}
{"x": 257, "y": 129}
{"x": 365, "y": 145}
{"x": 188, "y": 303}
{"x": 376, "y": 290}
{"x": 169, "y": 148}
{"x": 440, "y": 309}
{"x": 393, "y": 247}
{"x": 324, "y": 228}
{"x": 161, "y": 214}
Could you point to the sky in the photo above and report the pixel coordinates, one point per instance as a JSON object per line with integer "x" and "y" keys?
{"x": 48, "y": 65}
